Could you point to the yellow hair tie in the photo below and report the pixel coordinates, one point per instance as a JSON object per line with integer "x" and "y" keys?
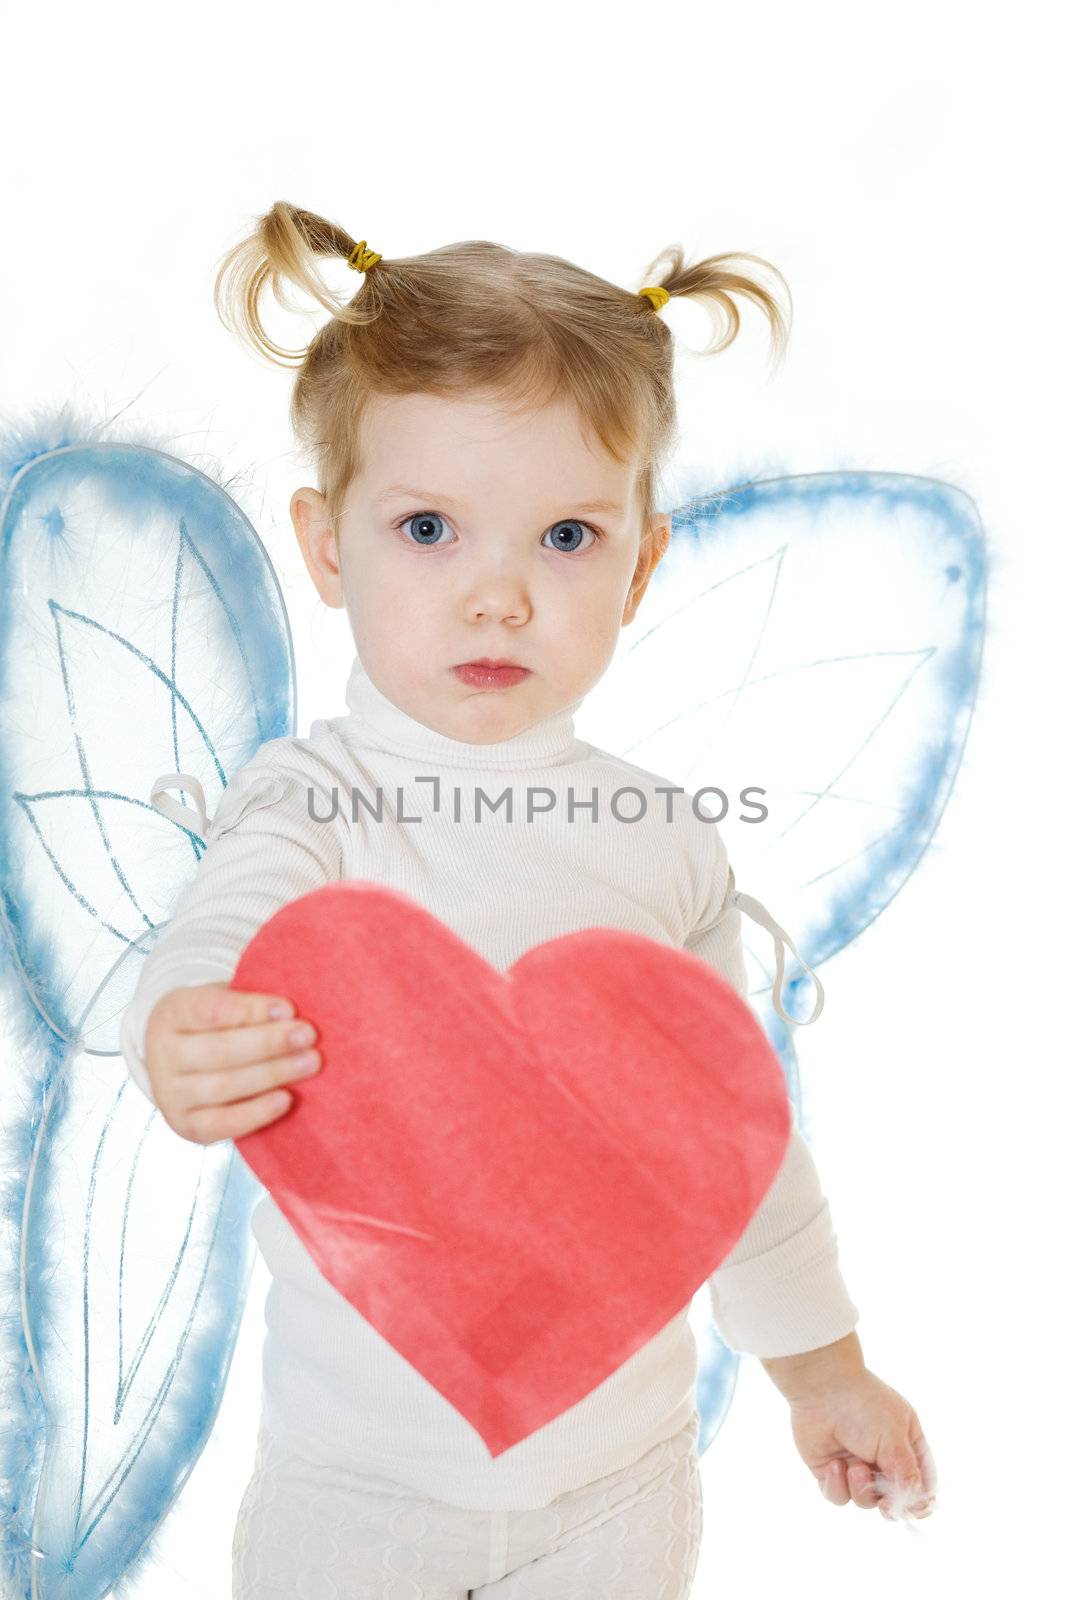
{"x": 657, "y": 294}
{"x": 360, "y": 259}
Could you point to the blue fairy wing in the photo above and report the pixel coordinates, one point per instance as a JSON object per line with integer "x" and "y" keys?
{"x": 143, "y": 632}
{"x": 806, "y": 658}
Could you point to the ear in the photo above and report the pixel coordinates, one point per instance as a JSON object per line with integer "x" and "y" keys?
{"x": 318, "y": 544}
{"x": 657, "y": 537}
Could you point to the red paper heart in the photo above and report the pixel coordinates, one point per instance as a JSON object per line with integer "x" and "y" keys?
{"x": 518, "y": 1178}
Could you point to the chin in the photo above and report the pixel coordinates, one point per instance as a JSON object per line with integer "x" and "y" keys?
{"x": 498, "y": 721}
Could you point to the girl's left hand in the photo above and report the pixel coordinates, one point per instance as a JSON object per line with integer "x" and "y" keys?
{"x": 851, "y": 1433}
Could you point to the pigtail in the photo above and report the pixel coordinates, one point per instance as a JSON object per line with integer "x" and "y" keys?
{"x": 475, "y": 317}
{"x": 715, "y": 282}
{"x": 282, "y": 249}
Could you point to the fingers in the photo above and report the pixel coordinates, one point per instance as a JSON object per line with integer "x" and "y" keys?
{"x": 226, "y": 1056}
{"x": 834, "y": 1483}
{"x": 914, "y": 1494}
{"x": 902, "y": 1464}
{"x": 224, "y": 1048}
{"x": 210, "y": 1124}
{"x": 848, "y": 1480}
{"x": 925, "y": 1457}
{"x": 208, "y": 1006}
{"x": 853, "y": 1481}
{"x": 907, "y": 1486}
{"x": 224, "y": 1085}
{"x": 217, "y": 1069}
{"x": 861, "y": 1485}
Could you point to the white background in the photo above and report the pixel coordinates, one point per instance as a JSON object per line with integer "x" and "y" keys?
{"x": 903, "y": 166}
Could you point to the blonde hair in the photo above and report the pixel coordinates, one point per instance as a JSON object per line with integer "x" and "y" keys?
{"x": 477, "y": 317}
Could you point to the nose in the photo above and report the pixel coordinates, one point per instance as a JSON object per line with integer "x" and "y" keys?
{"x": 497, "y": 596}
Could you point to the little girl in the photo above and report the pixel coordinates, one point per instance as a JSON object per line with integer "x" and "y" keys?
{"x": 487, "y": 427}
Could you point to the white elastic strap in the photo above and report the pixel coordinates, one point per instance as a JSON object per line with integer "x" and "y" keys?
{"x": 184, "y": 816}
{"x": 760, "y": 914}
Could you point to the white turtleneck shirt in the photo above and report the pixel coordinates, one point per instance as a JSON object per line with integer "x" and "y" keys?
{"x": 509, "y": 844}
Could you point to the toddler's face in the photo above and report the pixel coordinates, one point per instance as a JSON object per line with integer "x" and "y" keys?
{"x": 475, "y": 533}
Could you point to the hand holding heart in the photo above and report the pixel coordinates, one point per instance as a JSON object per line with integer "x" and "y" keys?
{"x": 517, "y": 1178}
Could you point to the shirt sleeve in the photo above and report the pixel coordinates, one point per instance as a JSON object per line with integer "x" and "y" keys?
{"x": 780, "y": 1290}
{"x": 263, "y": 849}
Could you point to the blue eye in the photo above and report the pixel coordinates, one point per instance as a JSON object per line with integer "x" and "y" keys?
{"x": 424, "y": 530}
{"x": 572, "y": 534}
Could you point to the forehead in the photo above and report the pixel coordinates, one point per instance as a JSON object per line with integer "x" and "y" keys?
{"x": 473, "y": 444}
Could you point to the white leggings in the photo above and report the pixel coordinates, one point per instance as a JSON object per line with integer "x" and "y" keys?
{"x": 307, "y": 1532}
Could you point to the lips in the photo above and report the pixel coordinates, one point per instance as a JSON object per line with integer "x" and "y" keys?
{"x": 486, "y": 674}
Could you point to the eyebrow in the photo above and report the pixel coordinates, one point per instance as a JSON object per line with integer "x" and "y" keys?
{"x": 401, "y": 492}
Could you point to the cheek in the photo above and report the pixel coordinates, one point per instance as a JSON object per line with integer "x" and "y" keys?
{"x": 377, "y": 585}
{"x": 590, "y": 621}
{"x": 599, "y": 600}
